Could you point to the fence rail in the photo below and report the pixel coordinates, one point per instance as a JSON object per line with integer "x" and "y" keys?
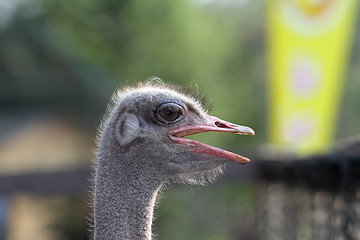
{"x": 337, "y": 171}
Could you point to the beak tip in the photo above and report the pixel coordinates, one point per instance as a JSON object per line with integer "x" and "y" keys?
{"x": 245, "y": 160}
{"x": 251, "y": 131}
{"x": 246, "y": 131}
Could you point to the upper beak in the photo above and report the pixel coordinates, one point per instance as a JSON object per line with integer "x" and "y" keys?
{"x": 213, "y": 124}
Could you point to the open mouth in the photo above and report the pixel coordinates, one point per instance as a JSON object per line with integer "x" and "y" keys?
{"x": 213, "y": 125}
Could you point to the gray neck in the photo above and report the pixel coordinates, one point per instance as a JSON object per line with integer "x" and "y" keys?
{"x": 124, "y": 199}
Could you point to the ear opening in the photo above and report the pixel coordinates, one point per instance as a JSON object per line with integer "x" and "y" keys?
{"x": 127, "y": 128}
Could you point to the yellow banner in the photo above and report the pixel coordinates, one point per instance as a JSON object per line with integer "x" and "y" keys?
{"x": 308, "y": 48}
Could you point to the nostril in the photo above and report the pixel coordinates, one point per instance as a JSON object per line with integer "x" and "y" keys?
{"x": 220, "y": 125}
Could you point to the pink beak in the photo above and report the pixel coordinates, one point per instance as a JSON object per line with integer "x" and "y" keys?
{"x": 213, "y": 124}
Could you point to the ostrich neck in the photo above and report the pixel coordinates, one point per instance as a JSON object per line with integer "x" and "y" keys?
{"x": 123, "y": 203}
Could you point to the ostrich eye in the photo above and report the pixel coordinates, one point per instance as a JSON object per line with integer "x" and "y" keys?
{"x": 169, "y": 112}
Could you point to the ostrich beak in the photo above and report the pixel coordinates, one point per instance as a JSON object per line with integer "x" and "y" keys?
{"x": 212, "y": 124}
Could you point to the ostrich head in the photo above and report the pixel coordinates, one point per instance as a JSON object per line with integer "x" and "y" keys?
{"x": 149, "y": 124}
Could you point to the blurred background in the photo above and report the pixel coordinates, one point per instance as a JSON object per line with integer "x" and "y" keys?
{"x": 255, "y": 62}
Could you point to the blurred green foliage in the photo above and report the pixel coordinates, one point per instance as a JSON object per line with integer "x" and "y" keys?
{"x": 221, "y": 212}
{"x": 71, "y": 220}
{"x": 212, "y": 50}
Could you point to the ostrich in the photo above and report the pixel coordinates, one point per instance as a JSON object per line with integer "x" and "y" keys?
{"x": 141, "y": 146}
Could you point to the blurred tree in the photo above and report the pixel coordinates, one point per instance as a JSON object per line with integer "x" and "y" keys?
{"x": 71, "y": 222}
{"x": 180, "y": 41}
{"x": 220, "y": 212}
